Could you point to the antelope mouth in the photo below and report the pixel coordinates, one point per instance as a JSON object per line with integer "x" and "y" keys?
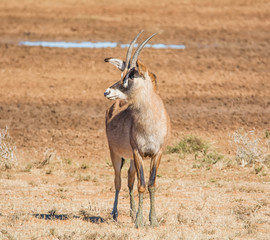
{"x": 112, "y": 97}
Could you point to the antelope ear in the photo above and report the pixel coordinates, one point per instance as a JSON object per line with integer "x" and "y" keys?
{"x": 116, "y": 62}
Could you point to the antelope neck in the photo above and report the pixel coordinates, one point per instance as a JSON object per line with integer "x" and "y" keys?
{"x": 145, "y": 108}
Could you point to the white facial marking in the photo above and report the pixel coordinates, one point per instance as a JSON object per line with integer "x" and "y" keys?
{"x": 112, "y": 93}
{"x": 125, "y": 84}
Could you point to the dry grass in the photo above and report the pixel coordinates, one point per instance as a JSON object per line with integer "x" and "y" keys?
{"x": 7, "y": 150}
{"x": 60, "y": 198}
{"x": 252, "y": 148}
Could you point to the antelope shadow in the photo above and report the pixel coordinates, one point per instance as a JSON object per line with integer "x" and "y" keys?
{"x": 52, "y": 216}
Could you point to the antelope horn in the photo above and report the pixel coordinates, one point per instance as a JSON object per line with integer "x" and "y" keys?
{"x": 131, "y": 45}
{"x": 138, "y": 50}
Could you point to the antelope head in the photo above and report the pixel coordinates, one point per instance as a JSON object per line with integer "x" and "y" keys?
{"x": 134, "y": 76}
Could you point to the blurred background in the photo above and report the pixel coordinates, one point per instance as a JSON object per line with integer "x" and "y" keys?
{"x": 218, "y": 83}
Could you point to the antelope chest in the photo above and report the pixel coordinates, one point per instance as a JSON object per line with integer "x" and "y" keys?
{"x": 149, "y": 142}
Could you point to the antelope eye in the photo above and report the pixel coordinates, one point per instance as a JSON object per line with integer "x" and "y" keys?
{"x": 133, "y": 74}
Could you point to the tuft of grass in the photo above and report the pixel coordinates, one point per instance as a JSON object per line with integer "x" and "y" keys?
{"x": 188, "y": 145}
{"x": 85, "y": 178}
{"x": 6, "y": 234}
{"x": 33, "y": 184}
{"x": 267, "y": 134}
{"x": 84, "y": 166}
{"x": 49, "y": 155}
{"x": 109, "y": 163}
{"x": 181, "y": 219}
{"x": 9, "y": 176}
{"x": 28, "y": 168}
{"x": 95, "y": 179}
{"x": 7, "y": 151}
{"x": 210, "y": 158}
{"x": 244, "y": 212}
{"x": 108, "y": 235}
{"x": 204, "y": 153}
{"x": 67, "y": 161}
{"x": 49, "y": 171}
{"x": 52, "y": 232}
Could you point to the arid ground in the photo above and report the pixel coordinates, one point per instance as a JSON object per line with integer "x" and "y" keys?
{"x": 52, "y": 101}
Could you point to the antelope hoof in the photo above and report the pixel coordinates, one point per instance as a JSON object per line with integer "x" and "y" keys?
{"x": 114, "y": 215}
{"x": 139, "y": 221}
{"x": 153, "y": 220}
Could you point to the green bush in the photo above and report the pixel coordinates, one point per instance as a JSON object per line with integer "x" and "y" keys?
{"x": 203, "y": 152}
{"x": 189, "y": 144}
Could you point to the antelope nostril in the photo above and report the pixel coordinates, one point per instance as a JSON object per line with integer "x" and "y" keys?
{"x": 107, "y": 92}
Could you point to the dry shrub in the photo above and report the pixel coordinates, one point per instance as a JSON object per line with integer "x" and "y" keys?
{"x": 251, "y": 148}
{"x": 7, "y": 151}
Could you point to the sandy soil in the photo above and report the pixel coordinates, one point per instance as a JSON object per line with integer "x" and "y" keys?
{"x": 53, "y": 99}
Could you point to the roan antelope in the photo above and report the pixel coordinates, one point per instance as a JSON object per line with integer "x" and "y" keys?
{"x": 137, "y": 127}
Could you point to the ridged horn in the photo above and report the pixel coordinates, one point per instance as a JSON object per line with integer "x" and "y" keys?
{"x": 131, "y": 45}
{"x": 138, "y": 50}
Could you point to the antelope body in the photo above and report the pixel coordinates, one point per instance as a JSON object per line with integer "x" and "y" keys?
{"x": 137, "y": 127}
